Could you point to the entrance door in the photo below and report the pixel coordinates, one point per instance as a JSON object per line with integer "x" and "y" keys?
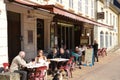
{"x": 40, "y": 34}
{"x": 14, "y": 32}
{"x": 65, "y": 36}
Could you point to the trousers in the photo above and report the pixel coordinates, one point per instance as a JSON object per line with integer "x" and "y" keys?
{"x": 22, "y": 73}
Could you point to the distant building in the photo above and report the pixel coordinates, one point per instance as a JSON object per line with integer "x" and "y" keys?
{"x": 107, "y": 36}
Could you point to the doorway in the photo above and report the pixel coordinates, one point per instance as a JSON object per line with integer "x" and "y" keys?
{"x": 40, "y": 34}
{"x": 14, "y": 34}
{"x": 65, "y": 36}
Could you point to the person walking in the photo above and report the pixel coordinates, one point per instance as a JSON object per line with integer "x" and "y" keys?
{"x": 95, "y": 49}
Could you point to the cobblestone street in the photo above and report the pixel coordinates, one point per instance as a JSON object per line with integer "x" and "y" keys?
{"x": 106, "y": 69}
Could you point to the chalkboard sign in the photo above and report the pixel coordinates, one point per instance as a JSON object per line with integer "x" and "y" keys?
{"x": 89, "y": 57}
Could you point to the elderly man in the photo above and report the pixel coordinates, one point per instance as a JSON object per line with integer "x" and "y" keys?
{"x": 18, "y": 63}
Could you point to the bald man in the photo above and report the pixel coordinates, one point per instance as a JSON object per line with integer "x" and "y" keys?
{"x": 18, "y": 63}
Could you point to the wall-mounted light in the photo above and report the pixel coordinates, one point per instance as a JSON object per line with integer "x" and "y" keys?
{"x": 82, "y": 34}
{"x": 88, "y": 34}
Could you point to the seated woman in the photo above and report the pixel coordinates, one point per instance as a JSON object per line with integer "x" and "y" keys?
{"x": 41, "y": 59}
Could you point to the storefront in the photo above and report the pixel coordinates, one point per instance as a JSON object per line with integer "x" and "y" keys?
{"x": 26, "y": 29}
{"x": 65, "y": 32}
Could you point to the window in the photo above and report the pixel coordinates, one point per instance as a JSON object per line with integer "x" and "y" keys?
{"x": 114, "y": 20}
{"x": 106, "y": 39}
{"x": 110, "y": 39}
{"x": 86, "y": 6}
{"x": 101, "y": 39}
{"x": 116, "y": 23}
{"x": 92, "y": 8}
{"x": 110, "y": 19}
{"x": 60, "y": 1}
{"x": 80, "y": 5}
{"x": 71, "y": 3}
{"x": 107, "y": 17}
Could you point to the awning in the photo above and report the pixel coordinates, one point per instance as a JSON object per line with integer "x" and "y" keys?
{"x": 66, "y": 13}
{"x": 57, "y": 10}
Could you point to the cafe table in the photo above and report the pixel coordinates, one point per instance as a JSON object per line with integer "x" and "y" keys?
{"x": 32, "y": 67}
{"x": 57, "y": 60}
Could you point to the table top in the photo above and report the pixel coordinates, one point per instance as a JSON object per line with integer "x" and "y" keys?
{"x": 59, "y": 59}
{"x": 36, "y": 65}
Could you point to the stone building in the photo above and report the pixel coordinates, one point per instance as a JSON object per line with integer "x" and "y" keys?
{"x": 30, "y": 25}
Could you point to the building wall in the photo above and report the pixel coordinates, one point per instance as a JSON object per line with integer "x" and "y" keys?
{"x": 111, "y": 18}
{"x": 3, "y": 34}
{"x": 119, "y": 29}
{"x": 30, "y": 24}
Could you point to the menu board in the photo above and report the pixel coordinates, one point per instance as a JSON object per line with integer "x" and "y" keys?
{"x": 89, "y": 57}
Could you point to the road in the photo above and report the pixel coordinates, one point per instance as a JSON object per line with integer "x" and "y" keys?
{"x": 109, "y": 71}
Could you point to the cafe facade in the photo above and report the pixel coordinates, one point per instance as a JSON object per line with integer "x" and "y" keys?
{"x": 29, "y": 26}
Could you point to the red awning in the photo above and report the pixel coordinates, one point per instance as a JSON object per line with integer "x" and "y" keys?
{"x": 63, "y": 12}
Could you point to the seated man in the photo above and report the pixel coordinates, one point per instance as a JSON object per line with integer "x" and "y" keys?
{"x": 18, "y": 63}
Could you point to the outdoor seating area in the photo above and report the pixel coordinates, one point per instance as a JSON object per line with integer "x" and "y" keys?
{"x": 60, "y": 66}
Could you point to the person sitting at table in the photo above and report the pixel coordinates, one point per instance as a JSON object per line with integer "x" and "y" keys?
{"x": 17, "y": 64}
{"x": 40, "y": 57}
{"x": 79, "y": 53}
{"x": 54, "y": 54}
{"x": 63, "y": 54}
{"x": 53, "y": 64}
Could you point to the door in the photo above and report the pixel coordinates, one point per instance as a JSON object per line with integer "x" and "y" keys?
{"x": 40, "y": 34}
{"x": 14, "y": 33}
{"x": 65, "y": 36}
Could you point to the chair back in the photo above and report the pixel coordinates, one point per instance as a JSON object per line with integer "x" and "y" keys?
{"x": 40, "y": 71}
{"x": 6, "y": 65}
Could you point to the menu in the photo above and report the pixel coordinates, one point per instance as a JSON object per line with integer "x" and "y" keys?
{"x": 89, "y": 57}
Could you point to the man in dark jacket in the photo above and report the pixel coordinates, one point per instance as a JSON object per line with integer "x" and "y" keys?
{"x": 95, "y": 49}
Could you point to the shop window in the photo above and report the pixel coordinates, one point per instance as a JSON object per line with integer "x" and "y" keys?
{"x": 101, "y": 39}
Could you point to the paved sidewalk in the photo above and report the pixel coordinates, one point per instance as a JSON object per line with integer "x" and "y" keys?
{"x": 78, "y": 74}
